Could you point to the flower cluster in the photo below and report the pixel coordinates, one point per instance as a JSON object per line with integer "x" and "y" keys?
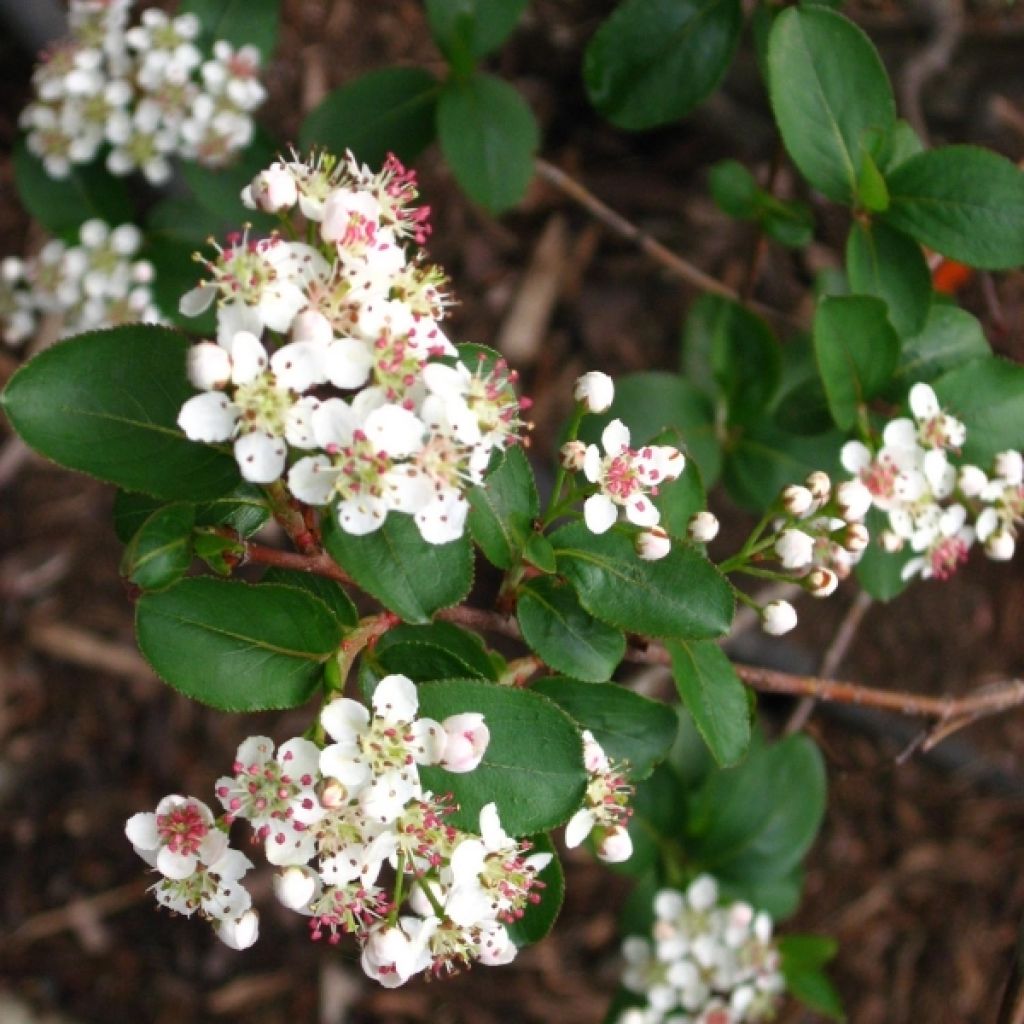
{"x": 145, "y": 92}
{"x": 335, "y": 821}
{"x": 624, "y": 480}
{"x": 936, "y": 504}
{"x": 706, "y": 963}
{"x": 332, "y": 350}
{"x": 605, "y": 811}
{"x": 97, "y": 283}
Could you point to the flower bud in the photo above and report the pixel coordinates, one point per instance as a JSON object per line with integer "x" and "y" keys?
{"x": 797, "y": 500}
{"x": 794, "y": 548}
{"x": 595, "y": 390}
{"x": 466, "y": 739}
{"x": 1000, "y": 546}
{"x": 821, "y": 582}
{"x": 572, "y": 454}
{"x": 294, "y": 887}
{"x": 820, "y": 487}
{"x": 332, "y": 794}
{"x": 891, "y": 542}
{"x": 1010, "y": 466}
{"x": 653, "y": 544}
{"x": 240, "y": 933}
{"x": 971, "y": 481}
{"x": 274, "y": 189}
{"x": 778, "y": 617}
{"x": 856, "y": 538}
{"x": 615, "y": 846}
{"x": 854, "y": 500}
{"x": 208, "y": 366}
{"x": 703, "y": 527}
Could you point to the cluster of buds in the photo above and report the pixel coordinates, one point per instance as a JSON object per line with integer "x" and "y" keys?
{"x": 330, "y": 367}
{"x": 336, "y": 820}
{"x": 145, "y": 92}
{"x": 606, "y": 811}
{"x": 624, "y": 480}
{"x": 937, "y": 505}
{"x": 706, "y": 962}
{"x": 97, "y": 283}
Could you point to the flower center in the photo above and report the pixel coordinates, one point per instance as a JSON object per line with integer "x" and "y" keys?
{"x": 182, "y": 829}
{"x": 264, "y": 406}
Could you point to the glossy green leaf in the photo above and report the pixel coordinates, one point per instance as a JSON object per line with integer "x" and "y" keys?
{"x": 180, "y": 220}
{"x": 386, "y": 111}
{"x": 240, "y": 22}
{"x": 778, "y": 897}
{"x": 539, "y": 552}
{"x": 503, "y": 508}
{"x": 714, "y": 696}
{"x": 537, "y": 784}
{"x": 681, "y": 595}
{"x": 629, "y": 727}
{"x": 106, "y": 404}
{"x": 803, "y": 958}
{"x": 962, "y": 201}
{"x": 399, "y": 568}
{"x": 539, "y": 918}
{"x": 235, "y": 646}
{"x": 756, "y": 821}
{"x": 437, "y": 651}
{"x": 653, "y": 61}
{"x": 734, "y": 189}
{"x": 62, "y": 205}
{"x": 175, "y": 273}
{"x": 469, "y": 29}
{"x": 988, "y": 396}
{"x": 243, "y": 509}
{"x": 872, "y": 192}
{"x": 564, "y": 635}
{"x": 161, "y": 550}
{"x": 329, "y": 591}
{"x": 904, "y": 143}
{"x": 890, "y": 266}
{"x": 857, "y": 352}
{"x": 489, "y": 136}
{"x": 659, "y": 813}
{"x": 949, "y": 338}
{"x": 831, "y": 97}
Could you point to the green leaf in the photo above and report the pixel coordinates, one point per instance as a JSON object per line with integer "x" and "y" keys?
{"x": 488, "y": 135}
{"x": 399, "y": 568}
{"x": 734, "y": 189}
{"x": 713, "y": 694}
{"x": 106, "y": 403}
{"x": 879, "y": 572}
{"x": 807, "y": 950}
{"x": 766, "y": 458}
{"x": 757, "y": 820}
{"x": 329, "y": 591}
{"x": 161, "y": 550}
{"x": 629, "y": 727}
{"x": 778, "y": 897}
{"x": 467, "y": 29}
{"x": 62, "y": 205}
{"x": 831, "y": 97}
{"x": 789, "y": 222}
{"x": 949, "y": 338}
{"x": 680, "y": 499}
{"x": 803, "y": 957}
{"x": 650, "y": 403}
{"x": 681, "y": 595}
{"x": 533, "y": 767}
{"x": 539, "y": 918}
{"x": 240, "y": 22}
{"x": 564, "y": 634}
{"x": 904, "y": 143}
{"x": 235, "y": 646}
{"x": 964, "y": 202}
{"x": 385, "y": 111}
{"x": 181, "y": 220}
{"x": 437, "y": 651}
{"x": 539, "y": 552}
{"x": 857, "y": 352}
{"x": 659, "y": 813}
{"x": 988, "y": 396}
{"x": 872, "y": 193}
{"x": 503, "y": 508}
{"x": 244, "y": 510}
{"x": 888, "y": 265}
{"x": 653, "y": 61}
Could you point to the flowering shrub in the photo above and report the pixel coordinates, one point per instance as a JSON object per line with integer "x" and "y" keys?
{"x": 319, "y": 389}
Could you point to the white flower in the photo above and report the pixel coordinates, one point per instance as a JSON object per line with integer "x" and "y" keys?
{"x": 605, "y": 810}
{"x": 466, "y": 740}
{"x": 778, "y": 617}
{"x": 945, "y": 546}
{"x": 595, "y": 390}
{"x": 178, "y": 838}
{"x": 273, "y": 190}
{"x": 392, "y": 954}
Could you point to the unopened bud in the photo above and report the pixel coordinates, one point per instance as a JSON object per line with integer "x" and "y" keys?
{"x": 856, "y": 538}
{"x": 703, "y": 527}
{"x": 653, "y": 544}
{"x": 595, "y": 390}
{"x": 854, "y": 500}
{"x": 240, "y": 933}
{"x": 794, "y": 548}
{"x": 797, "y": 500}
{"x": 274, "y": 190}
{"x": 1000, "y": 546}
{"x": 466, "y": 739}
{"x": 891, "y": 542}
{"x": 332, "y": 794}
{"x": 208, "y": 366}
{"x": 615, "y": 846}
{"x": 821, "y": 582}
{"x": 972, "y": 481}
{"x": 1010, "y": 466}
{"x": 294, "y": 886}
{"x": 820, "y": 486}
{"x": 572, "y": 455}
{"x": 778, "y": 617}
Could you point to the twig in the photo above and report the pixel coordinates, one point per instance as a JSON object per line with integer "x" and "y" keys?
{"x": 947, "y": 17}
{"x": 78, "y": 914}
{"x": 317, "y": 564}
{"x": 661, "y": 254}
{"x": 69, "y": 643}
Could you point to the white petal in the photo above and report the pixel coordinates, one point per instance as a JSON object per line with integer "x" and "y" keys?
{"x": 395, "y": 699}
{"x": 600, "y": 513}
{"x": 248, "y": 357}
{"x": 444, "y": 519}
{"x": 360, "y": 516}
{"x": 312, "y": 325}
{"x": 141, "y": 830}
{"x": 347, "y": 363}
{"x": 641, "y": 511}
{"x": 175, "y": 865}
{"x": 394, "y": 430}
{"x": 334, "y": 764}
{"x": 233, "y": 317}
{"x": 198, "y": 300}
{"x": 580, "y": 826}
{"x": 240, "y": 933}
{"x": 345, "y": 719}
{"x": 312, "y": 480}
{"x": 900, "y": 433}
{"x": 208, "y": 366}
{"x": 855, "y": 457}
{"x": 446, "y": 381}
{"x": 298, "y": 424}
{"x": 333, "y": 424}
{"x": 260, "y": 457}
{"x": 923, "y": 402}
{"x": 298, "y": 366}
{"x": 615, "y": 437}
{"x": 493, "y": 835}
{"x": 208, "y": 417}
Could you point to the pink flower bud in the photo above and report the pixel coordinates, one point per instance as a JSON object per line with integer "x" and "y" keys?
{"x": 653, "y": 544}
{"x": 572, "y": 455}
{"x": 466, "y": 739}
{"x": 595, "y": 390}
